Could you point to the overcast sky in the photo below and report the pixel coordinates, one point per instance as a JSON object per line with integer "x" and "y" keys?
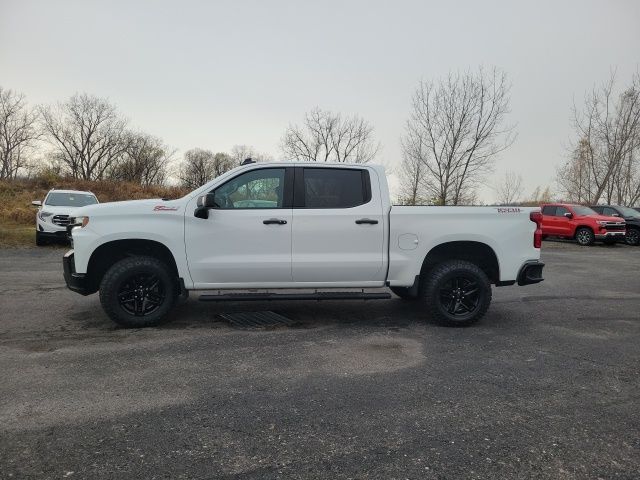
{"x": 215, "y": 74}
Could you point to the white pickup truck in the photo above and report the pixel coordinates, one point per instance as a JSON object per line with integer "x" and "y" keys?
{"x": 315, "y": 228}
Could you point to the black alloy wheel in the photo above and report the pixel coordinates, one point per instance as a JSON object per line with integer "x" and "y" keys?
{"x": 456, "y": 293}
{"x": 141, "y": 294}
{"x": 460, "y": 296}
{"x": 632, "y": 237}
{"x": 139, "y": 291}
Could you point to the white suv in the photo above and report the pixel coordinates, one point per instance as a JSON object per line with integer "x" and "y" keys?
{"x": 56, "y": 211}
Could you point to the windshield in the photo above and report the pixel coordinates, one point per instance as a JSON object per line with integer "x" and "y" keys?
{"x": 59, "y": 199}
{"x": 628, "y": 212}
{"x": 580, "y": 210}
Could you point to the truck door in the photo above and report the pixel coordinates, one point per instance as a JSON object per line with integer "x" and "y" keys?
{"x": 563, "y": 223}
{"x": 247, "y": 238}
{"x": 549, "y": 226}
{"x": 338, "y": 226}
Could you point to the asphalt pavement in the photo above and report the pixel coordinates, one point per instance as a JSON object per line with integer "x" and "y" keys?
{"x": 546, "y": 386}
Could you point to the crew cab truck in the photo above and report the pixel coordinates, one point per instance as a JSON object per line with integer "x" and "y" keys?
{"x": 580, "y": 223}
{"x": 630, "y": 216}
{"x": 315, "y": 228}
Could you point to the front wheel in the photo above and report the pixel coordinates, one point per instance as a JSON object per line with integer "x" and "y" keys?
{"x": 457, "y": 293}
{"x": 138, "y": 292}
{"x": 632, "y": 237}
{"x": 40, "y": 241}
{"x": 585, "y": 236}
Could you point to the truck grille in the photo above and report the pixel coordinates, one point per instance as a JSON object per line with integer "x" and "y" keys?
{"x": 62, "y": 220}
{"x": 615, "y": 227}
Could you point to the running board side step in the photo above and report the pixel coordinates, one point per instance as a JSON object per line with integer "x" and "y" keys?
{"x": 248, "y": 297}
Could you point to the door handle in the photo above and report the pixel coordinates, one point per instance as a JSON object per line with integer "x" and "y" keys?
{"x": 274, "y": 221}
{"x": 367, "y": 220}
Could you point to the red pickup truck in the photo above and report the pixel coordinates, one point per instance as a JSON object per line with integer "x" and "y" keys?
{"x": 580, "y": 223}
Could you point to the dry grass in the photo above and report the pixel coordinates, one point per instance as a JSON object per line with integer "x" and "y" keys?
{"x": 12, "y": 235}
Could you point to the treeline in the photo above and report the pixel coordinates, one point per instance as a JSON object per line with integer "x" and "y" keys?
{"x": 455, "y": 129}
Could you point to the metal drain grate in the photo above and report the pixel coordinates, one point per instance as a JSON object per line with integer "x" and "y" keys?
{"x": 256, "y": 319}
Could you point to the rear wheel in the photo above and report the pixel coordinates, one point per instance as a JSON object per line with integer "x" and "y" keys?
{"x": 632, "y": 237}
{"x": 138, "y": 292}
{"x": 585, "y": 236}
{"x": 457, "y": 293}
{"x": 403, "y": 293}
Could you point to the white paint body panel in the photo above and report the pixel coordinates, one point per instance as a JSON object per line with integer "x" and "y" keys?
{"x": 320, "y": 253}
{"x": 509, "y": 234}
{"x": 315, "y": 249}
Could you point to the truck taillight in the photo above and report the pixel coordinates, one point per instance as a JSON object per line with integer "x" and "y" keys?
{"x": 536, "y": 217}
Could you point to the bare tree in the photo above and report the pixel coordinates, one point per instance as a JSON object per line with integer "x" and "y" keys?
{"x": 575, "y": 177}
{"x": 18, "y": 132}
{"x": 200, "y": 166}
{"x": 88, "y": 135}
{"x": 608, "y": 129}
{"x": 627, "y": 182}
{"x": 509, "y": 190}
{"x": 412, "y": 181}
{"x": 456, "y": 128}
{"x": 145, "y": 161}
{"x": 239, "y": 153}
{"x": 329, "y": 137}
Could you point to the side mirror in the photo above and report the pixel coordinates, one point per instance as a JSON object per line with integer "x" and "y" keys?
{"x": 615, "y": 214}
{"x": 204, "y": 204}
{"x": 207, "y": 201}
{"x": 568, "y": 215}
{"x": 36, "y": 203}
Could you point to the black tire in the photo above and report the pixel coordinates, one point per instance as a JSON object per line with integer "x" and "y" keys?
{"x": 40, "y": 241}
{"x": 403, "y": 293}
{"x": 443, "y": 291}
{"x": 585, "y": 237}
{"x": 632, "y": 237}
{"x": 138, "y": 292}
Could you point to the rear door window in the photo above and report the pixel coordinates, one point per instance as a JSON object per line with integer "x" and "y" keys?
{"x": 335, "y": 187}
{"x": 549, "y": 210}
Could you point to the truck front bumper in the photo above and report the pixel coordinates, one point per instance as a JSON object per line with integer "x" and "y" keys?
{"x": 78, "y": 282}
{"x": 530, "y": 273}
{"x": 616, "y": 234}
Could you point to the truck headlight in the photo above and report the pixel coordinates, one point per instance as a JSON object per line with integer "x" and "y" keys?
{"x": 80, "y": 222}
{"x": 602, "y": 222}
{"x": 44, "y": 215}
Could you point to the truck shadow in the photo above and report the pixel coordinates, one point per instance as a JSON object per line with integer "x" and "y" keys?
{"x": 393, "y": 314}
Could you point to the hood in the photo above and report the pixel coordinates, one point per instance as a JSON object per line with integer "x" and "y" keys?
{"x": 130, "y": 207}
{"x": 605, "y": 218}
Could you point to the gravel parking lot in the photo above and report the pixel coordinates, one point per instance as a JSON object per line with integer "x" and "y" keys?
{"x": 546, "y": 386}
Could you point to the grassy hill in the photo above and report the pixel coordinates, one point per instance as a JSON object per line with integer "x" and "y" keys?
{"x": 17, "y": 215}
